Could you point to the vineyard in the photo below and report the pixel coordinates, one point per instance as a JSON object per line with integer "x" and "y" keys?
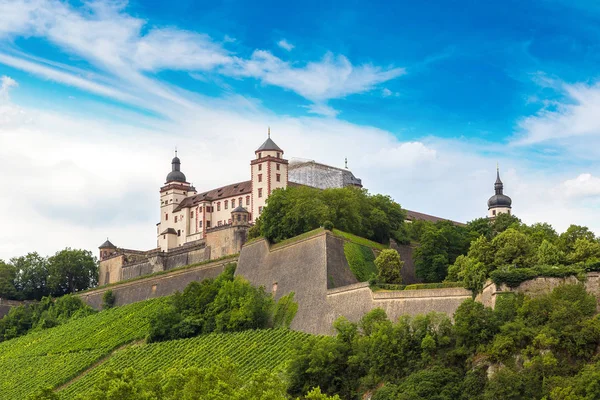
{"x": 84, "y": 348}
{"x": 250, "y": 350}
{"x": 54, "y": 356}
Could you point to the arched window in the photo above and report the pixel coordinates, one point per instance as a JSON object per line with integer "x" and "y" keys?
{"x": 232, "y": 203}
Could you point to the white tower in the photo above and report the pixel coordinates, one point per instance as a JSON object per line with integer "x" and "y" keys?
{"x": 269, "y": 171}
{"x": 499, "y": 203}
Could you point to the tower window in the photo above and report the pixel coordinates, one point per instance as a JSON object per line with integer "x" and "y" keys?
{"x": 278, "y": 177}
{"x": 260, "y": 167}
{"x": 278, "y": 166}
{"x": 176, "y": 219}
{"x": 494, "y": 212}
{"x": 226, "y": 204}
{"x": 192, "y": 216}
{"x": 166, "y": 217}
{"x": 278, "y": 155}
{"x": 260, "y": 177}
{"x": 259, "y": 155}
{"x": 260, "y": 192}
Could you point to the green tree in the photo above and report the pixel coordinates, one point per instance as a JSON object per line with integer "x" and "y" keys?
{"x": 32, "y": 274}
{"x": 470, "y": 271}
{"x": 512, "y": 247}
{"x": 549, "y": 254}
{"x": 584, "y": 250}
{"x": 8, "y": 277}
{"x": 71, "y": 270}
{"x": 567, "y": 239}
{"x": 389, "y": 266}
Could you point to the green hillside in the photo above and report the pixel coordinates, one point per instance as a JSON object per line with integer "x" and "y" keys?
{"x": 250, "y": 350}
{"x": 72, "y": 356}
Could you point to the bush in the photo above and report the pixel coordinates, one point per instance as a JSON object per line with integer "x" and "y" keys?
{"x": 108, "y": 300}
{"x": 328, "y": 225}
{"x": 513, "y": 277}
{"x": 389, "y": 266}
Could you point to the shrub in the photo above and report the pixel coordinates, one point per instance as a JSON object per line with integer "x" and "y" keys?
{"x": 108, "y": 300}
{"x": 389, "y": 265}
{"x": 328, "y": 225}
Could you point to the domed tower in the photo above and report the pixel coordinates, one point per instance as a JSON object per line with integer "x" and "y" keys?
{"x": 174, "y": 191}
{"x": 269, "y": 171}
{"x": 499, "y": 203}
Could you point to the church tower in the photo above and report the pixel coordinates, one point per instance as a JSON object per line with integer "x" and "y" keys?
{"x": 175, "y": 190}
{"x": 269, "y": 171}
{"x": 499, "y": 203}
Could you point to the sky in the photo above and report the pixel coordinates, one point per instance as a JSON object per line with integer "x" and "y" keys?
{"x": 424, "y": 99}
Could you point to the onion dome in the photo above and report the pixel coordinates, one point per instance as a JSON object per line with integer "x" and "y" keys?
{"x": 176, "y": 175}
{"x": 499, "y": 199}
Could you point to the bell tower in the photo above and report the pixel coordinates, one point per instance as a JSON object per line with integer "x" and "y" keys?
{"x": 269, "y": 171}
{"x": 499, "y": 203}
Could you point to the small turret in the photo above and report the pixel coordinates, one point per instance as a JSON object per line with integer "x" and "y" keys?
{"x": 240, "y": 216}
{"x": 106, "y": 249}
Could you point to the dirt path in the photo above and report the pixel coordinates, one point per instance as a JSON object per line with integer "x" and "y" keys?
{"x": 96, "y": 364}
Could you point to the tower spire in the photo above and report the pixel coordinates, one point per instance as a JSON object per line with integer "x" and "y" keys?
{"x": 346, "y": 162}
{"x": 269, "y": 132}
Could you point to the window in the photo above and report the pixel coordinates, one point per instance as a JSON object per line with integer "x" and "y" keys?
{"x": 199, "y": 224}
{"x": 260, "y": 192}
{"x": 247, "y": 200}
{"x": 239, "y": 217}
{"x": 226, "y": 204}
{"x": 232, "y": 203}
{"x": 219, "y": 223}
{"x": 278, "y": 166}
{"x": 260, "y": 177}
{"x": 260, "y": 167}
{"x": 278, "y": 155}
{"x": 219, "y": 206}
{"x": 192, "y": 216}
{"x": 494, "y": 212}
{"x": 176, "y": 219}
{"x": 260, "y": 210}
{"x": 278, "y": 177}
{"x": 166, "y": 217}
{"x": 199, "y": 209}
{"x": 240, "y": 201}
{"x": 259, "y": 155}
{"x": 178, "y": 232}
{"x": 208, "y": 224}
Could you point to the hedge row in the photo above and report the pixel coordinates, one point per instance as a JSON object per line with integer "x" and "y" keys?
{"x": 418, "y": 286}
{"x": 515, "y": 276}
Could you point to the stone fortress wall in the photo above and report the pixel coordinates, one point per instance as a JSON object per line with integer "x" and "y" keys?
{"x": 316, "y": 270}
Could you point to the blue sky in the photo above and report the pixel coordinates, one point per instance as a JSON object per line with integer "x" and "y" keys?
{"x": 424, "y": 98}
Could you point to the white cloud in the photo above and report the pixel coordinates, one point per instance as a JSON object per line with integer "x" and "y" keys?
{"x": 6, "y": 82}
{"x": 585, "y": 185}
{"x": 576, "y": 116}
{"x": 284, "y": 44}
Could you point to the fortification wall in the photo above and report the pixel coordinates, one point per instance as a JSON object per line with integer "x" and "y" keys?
{"x": 307, "y": 267}
{"x": 6, "y": 305}
{"x": 155, "y": 286}
{"x": 406, "y": 251}
{"x": 538, "y": 286}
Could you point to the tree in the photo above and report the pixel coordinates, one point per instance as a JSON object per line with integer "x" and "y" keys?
{"x": 512, "y": 247}
{"x": 549, "y": 254}
{"x": 108, "y": 300}
{"x": 8, "y": 276}
{"x": 584, "y": 250}
{"x": 389, "y": 266}
{"x": 32, "y": 274}
{"x": 470, "y": 271}
{"x": 567, "y": 239}
{"x": 72, "y": 270}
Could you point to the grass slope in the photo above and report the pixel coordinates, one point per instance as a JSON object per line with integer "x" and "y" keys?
{"x": 250, "y": 350}
{"x": 361, "y": 260}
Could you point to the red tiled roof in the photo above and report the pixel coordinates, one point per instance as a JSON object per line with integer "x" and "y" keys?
{"x": 413, "y": 215}
{"x": 235, "y": 189}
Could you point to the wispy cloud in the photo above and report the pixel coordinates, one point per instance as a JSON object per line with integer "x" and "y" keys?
{"x": 284, "y": 44}
{"x": 6, "y": 82}
{"x": 585, "y": 185}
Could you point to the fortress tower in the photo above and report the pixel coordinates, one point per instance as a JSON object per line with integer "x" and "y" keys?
{"x": 499, "y": 203}
{"x": 269, "y": 171}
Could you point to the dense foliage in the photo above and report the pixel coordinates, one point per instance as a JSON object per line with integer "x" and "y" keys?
{"x": 389, "y": 267}
{"x": 44, "y": 314}
{"x": 32, "y": 276}
{"x": 527, "y": 348}
{"x": 224, "y": 304}
{"x": 295, "y": 210}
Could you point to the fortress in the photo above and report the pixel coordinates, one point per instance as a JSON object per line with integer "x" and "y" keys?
{"x": 206, "y": 231}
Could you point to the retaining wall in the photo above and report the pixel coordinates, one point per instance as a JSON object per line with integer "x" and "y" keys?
{"x": 317, "y": 272}
{"x": 155, "y": 286}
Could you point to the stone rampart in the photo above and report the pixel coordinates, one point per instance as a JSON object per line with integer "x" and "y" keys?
{"x": 155, "y": 286}
{"x": 6, "y": 305}
{"x": 312, "y": 266}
